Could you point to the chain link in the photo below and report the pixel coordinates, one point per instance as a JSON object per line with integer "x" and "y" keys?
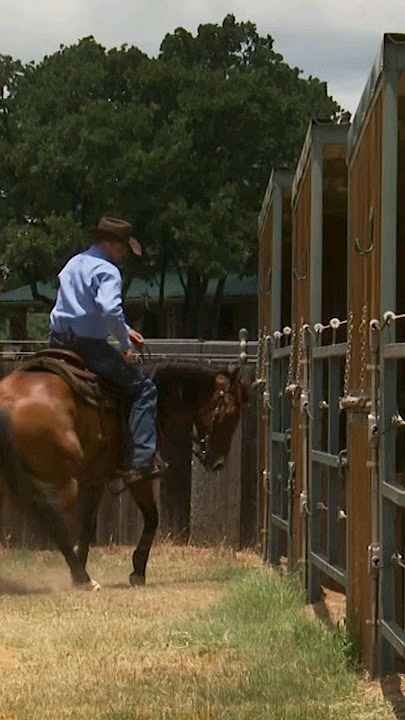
{"x": 259, "y": 363}
{"x": 300, "y": 353}
{"x": 348, "y": 360}
{"x": 363, "y": 330}
{"x": 263, "y": 352}
{"x": 291, "y": 358}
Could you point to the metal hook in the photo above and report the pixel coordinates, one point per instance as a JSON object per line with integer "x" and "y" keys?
{"x": 366, "y": 251}
{"x": 297, "y": 275}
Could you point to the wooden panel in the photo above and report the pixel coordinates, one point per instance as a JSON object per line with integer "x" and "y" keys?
{"x": 301, "y": 252}
{"x": 364, "y": 193}
{"x": 265, "y": 252}
{"x": 400, "y": 303}
{"x": 286, "y": 259}
{"x": 334, "y": 268}
{"x": 359, "y": 532}
{"x": 301, "y": 249}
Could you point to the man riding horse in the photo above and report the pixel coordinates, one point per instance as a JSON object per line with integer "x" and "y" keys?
{"x": 61, "y": 433}
{"x": 89, "y": 307}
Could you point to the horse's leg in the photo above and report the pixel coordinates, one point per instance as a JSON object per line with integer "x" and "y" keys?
{"x": 46, "y": 511}
{"x": 143, "y": 494}
{"x": 88, "y": 501}
{"x": 32, "y": 497}
{"x": 1, "y": 502}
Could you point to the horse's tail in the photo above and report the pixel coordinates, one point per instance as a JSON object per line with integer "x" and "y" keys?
{"x": 20, "y": 484}
{"x": 30, "y": 497}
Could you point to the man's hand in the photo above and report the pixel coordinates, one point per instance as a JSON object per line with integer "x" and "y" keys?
{"x": 135, "y": 337}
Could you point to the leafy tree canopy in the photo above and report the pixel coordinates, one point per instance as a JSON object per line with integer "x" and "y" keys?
{"x": 180, "y": 145}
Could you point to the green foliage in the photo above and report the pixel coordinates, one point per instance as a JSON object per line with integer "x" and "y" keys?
{"x": 36, "y": 250}
{"x": 182, "y": 146}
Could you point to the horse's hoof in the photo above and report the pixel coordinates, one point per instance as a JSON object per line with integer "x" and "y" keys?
{"x": 92, "y": 586}
{"x": 136, "y": 580}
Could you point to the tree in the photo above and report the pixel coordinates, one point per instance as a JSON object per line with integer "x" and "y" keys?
{"x": 36, "y": 249}
{"x": 244, "y": 111}
{"x": 181, "y": 146}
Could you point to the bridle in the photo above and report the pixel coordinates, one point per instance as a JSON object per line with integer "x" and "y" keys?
{"x": 202, "y": 440}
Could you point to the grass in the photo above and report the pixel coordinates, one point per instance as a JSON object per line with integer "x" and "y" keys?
{"x": 213, "y": 636}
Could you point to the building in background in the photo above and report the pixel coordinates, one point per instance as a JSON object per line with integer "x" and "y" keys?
{"x": 23, "y": 317}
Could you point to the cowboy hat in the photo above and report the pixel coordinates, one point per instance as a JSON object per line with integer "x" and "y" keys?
{"x": 115, "y": 229}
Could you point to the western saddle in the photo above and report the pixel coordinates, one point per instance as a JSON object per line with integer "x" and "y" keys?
{"x": 70, "y": 367}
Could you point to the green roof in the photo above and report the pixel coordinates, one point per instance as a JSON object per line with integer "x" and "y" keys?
{"x": 234, "y": 287}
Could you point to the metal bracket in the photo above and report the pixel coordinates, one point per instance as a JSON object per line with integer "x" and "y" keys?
{"x": 372, "y": 429}
{"x": 304, "y": 404}
{"x": 291, "y": 476}
{"x": 287, "y": 443}
{"x": 266, "y": 481}
{"x": 304, "y": 504}
{"x": 374, "y": 557}
{"x": 342, "y": 462}
{"x": 266, "y": 400}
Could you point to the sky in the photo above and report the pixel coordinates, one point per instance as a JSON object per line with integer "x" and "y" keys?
{"x": 335, "y": 41}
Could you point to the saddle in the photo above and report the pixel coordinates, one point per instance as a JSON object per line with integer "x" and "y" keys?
{"x": 70, "y": 367}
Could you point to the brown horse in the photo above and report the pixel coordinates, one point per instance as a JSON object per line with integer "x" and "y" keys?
{"x": 57, "y": 444}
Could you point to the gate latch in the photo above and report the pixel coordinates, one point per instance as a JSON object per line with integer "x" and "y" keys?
{"x": 342, "y": 462}
{"x": 291, "y": 476}
{"x": 304, "y": 503}
{"x": 374, "y": 557}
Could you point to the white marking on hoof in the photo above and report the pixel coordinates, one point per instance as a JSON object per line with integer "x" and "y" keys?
{"x": 92, "y": 586}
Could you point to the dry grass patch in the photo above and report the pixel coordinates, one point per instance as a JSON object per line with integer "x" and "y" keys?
{"x": 215, "y": 635}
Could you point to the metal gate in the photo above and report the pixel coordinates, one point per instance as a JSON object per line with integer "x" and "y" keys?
{"x": 328, "y": 458}
{"x": 279, "y": 475}
{"x": 387, "y": 560}
{"x": 304, "y": 371}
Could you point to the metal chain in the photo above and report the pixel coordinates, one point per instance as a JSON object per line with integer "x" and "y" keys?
{"x": 259, "y": 363}
{"x": 300, "y": 353}
{"x": 348, "y": 359}
{"x": 263, "y": 353}
{"x": 291, "y": 358}
{"x": 363, "y": 329}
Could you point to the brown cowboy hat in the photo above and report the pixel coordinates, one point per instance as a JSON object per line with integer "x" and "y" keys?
{"x": 116, "y": 229}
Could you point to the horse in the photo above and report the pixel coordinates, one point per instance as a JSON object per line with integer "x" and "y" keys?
{"x": 60, "y": 444}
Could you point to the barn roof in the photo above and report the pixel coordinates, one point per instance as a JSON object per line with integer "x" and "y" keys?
{"x": 139, "y": 289}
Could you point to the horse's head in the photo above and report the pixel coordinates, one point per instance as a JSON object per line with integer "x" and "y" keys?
{"x": 217, "y": 419}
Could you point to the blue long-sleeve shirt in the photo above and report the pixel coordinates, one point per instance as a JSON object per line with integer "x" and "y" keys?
{"x": 89, "y": 299}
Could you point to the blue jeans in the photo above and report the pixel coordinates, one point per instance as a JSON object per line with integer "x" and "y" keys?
{"x": 105, "y": 361}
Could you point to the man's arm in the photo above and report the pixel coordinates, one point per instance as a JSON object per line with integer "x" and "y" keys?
{"x": 108, "y": 298}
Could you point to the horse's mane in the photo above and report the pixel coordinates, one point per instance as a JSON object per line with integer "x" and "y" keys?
{"x": 196, "y": 378}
